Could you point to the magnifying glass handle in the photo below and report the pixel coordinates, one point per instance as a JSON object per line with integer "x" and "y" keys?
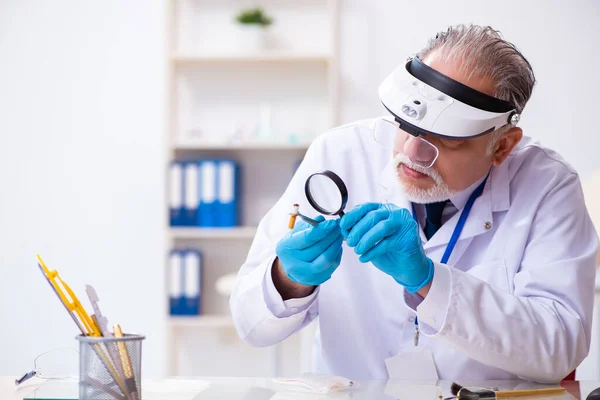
{"x": 308, "y": 220}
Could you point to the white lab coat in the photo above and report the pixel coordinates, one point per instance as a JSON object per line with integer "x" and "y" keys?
{"x": 514, "y": 300}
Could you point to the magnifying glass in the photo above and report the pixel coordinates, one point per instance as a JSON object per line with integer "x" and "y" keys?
{"x": 326, "y": 192}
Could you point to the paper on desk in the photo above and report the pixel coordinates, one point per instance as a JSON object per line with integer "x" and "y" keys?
{"x": 425, "y": 389}
{"x": 412, "y": 364}
{"x": 173, "y": 389}
{"x": 315, "y": 383}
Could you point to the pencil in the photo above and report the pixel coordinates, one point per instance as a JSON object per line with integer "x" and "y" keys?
{"x": 126, "y": 363}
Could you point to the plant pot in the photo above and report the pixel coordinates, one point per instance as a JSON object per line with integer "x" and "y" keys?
{"x": 251, "y": 37}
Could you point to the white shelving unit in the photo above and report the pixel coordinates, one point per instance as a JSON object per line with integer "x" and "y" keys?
{"x": 208, "y": 322}
{"x": 273, "y": 146}
{"x": 217, "y": 90}
{"x": 244, "y": 232}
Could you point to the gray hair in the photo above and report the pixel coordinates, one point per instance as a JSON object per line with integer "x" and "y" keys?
{"x": 480, "y": 51}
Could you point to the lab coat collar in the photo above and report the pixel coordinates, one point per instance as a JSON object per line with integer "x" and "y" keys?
{"x": 460, "y": 199}
{"x": 500, "y": 187}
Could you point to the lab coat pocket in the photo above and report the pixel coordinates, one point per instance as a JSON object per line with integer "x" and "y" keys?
{"x": 493, "y": 272}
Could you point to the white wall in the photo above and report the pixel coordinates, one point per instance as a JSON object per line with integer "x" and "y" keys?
{"x": 81, "y": 169}
{"x": 81, "y": 138}
{"x": 560, "y": 38}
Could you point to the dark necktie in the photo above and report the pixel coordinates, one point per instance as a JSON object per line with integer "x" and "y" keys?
{"x": 433, "y": 221}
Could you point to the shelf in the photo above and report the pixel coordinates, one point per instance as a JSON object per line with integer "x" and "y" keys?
{"x": 202, "y": 321}
{"x": 243, "y": 232}
{"x": 266, "y": 57}
{"x": 217, "y": 99}
{"x": 241, "y": 146}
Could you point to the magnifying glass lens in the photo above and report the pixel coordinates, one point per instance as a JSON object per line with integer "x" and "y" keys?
{"x": 325, "y": 193}
{"x": 388, "y": 135}
{"x": 419, "y": 150}
{"x": 384, "y": 133}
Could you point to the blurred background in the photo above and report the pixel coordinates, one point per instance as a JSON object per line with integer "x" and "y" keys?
{"x": 118, "y": 118}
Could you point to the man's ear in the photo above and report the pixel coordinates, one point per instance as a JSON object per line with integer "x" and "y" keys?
{"x": 506, "y": 144}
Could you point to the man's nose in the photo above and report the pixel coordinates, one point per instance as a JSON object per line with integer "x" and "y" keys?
{"x": 420, "y": 151}
{"x": 412, "y": 148}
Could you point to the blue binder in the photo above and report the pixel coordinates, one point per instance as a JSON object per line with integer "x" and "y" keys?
{"x": 190, "y": 198}
{"x": 208, "y": 209}
{"x": 176, "y": 282}
{"x": 192, "y": 266}
{"x": 176, "y": 213}
{"x": 297, "y": 165}
{"x": 227, "y": 216}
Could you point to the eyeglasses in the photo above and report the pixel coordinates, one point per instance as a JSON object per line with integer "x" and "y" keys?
{"x": 61, "y": 363}
{"x": 389, "y": 135}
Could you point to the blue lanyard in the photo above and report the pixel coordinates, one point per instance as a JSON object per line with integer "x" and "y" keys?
{"x": 461, "y": 221}
{"x": 455, "y": 235}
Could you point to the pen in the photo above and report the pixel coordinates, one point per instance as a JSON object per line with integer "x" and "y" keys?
{"x": 416, "y": 338}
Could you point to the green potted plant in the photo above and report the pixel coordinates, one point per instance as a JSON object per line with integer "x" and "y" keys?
{"x": 253, "y": 24}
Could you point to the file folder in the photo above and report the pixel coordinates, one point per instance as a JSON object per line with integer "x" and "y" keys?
{"x": 190, "y": 199}
{"x": 192, "y": 281}
{"x": 227, "y": 215}
{"x": 176, "y": 281}
{"x": 297, "y": 165}
{"x": 208, "y": 210}
{"x": 176, "y": 196}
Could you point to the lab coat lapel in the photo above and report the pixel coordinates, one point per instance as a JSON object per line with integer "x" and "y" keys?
{"x": 479, "y": 221}
{"x": 495, "y": 197}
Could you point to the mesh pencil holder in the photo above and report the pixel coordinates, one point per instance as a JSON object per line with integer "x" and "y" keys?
{"x": 110, "y": 368}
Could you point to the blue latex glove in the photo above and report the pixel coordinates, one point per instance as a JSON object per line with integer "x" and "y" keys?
{"x": 388, "y": 237}
{"x": 309, "y": 254}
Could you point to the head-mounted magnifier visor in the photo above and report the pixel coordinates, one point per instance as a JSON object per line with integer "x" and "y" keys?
{"x": 425, "y": 101}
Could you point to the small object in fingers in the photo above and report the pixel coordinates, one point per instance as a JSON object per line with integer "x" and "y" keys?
{"x": 293, "y": 216}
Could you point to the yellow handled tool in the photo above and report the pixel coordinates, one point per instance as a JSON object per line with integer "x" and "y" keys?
{"x": 67, "y": 297}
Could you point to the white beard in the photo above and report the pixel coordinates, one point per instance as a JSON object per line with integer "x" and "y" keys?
{"x": 438, "y": 192}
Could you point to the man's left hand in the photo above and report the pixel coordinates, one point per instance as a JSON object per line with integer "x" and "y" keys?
{"x": 388, "y": 237}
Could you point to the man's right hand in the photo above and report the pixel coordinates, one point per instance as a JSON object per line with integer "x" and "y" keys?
{"x": 309, "y": 254}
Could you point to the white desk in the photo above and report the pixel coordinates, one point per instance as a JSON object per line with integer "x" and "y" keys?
{"x": 266, "y": 389}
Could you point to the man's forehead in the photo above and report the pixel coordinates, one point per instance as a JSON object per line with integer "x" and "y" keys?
{"x": 452, "y": 69}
